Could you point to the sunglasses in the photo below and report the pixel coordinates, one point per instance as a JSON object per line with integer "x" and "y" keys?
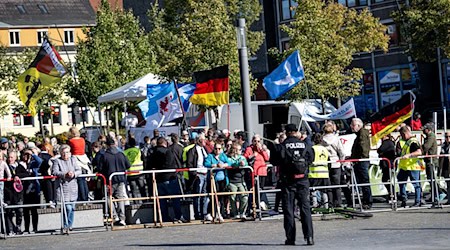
{"x": 256, "y": 140}
{"x": 217, "y": 148}
{"x": 447, "y": 136}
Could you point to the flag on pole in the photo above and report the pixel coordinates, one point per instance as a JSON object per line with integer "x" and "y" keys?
{"x": 186, "y": 90}
{"x": 163, "y": 105}
{"x": 212, "y": 87}
{"x": 42, "y": 74}
{"x": 391, "y": 116}
{"x": 286, "y": 76}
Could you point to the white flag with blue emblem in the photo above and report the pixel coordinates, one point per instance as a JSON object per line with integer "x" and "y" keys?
{"x": 286, "y": 76}
{"x": 161, "y": 106}
{"x": 186, "y": 90}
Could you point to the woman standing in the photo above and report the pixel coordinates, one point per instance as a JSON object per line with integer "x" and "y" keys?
{"x": 67, "y": 169}
{"x": 77, "y": 148}
{"x": 31, "y": 188}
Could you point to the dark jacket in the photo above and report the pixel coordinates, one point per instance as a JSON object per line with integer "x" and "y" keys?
{"x": 163, "y": 158}
{"x": 11, "y": 197}
{"x": 386, "y": 150}
{"x": 44, "y": 168}
{"x": 281, "y": 159}
{"x": 113, "y": 161}
{"x": 361, "y": 146}
{"x": 430, "y": 148}
{"x": 177, "y": 151}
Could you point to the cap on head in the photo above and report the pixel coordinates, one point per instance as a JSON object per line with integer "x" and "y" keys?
{"x": 290, "y": 128}
{"x": 3, "y": 140}
{"x": 428, "y": 126}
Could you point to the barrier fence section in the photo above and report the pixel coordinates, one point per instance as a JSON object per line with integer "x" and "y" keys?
{"x": 61, "y": 204}
{"x": 216, "y": 194}
{"x": 433, "y": 181}
{"x": 157, "y": 216}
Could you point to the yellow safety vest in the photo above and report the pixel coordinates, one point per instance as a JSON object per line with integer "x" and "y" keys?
{"x": 185, "y": 151}
{"x": 411, "y": 163}
{"x": 134, "y": 157}
{"x": 319, "y": 169}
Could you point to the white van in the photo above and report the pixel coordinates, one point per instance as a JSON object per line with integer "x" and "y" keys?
{"x": 269, "y": 117}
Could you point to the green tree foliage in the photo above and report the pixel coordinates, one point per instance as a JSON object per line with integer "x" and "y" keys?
{"x": 327, "y": 35}
{"x": 194, "y": 35}
{"x": 114, "y": 52}
{"x": 424, "y": 25}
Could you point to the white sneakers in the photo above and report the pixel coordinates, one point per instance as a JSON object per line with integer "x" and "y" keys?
{"x": 240, "y": 217}
{"x": 208, "y": 217}
{"x": 263, "y": 206}
{"x": 219, "y": 218}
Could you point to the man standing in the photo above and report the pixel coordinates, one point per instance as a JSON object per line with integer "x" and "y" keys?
{"x": 136, "y": 180}
{"x": 294, "y": 156}
{"x": 163, "y": 159}
{"x": 430, "y": 148}
{"x": 360, "y": 150}
{"x": 115, "y": 161}
{"x": 410, "y": 166}
{"x": 196, "y": 159}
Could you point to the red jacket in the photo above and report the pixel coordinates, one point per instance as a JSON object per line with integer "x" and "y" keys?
{"x": 416, "y": 124}
{"x": 259, "y": 167}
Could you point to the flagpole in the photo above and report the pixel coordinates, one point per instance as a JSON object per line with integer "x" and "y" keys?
{"x": 74, "y": 78}
{"x": 183, "y": 122}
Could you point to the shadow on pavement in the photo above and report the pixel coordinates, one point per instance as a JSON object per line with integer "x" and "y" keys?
{"x": 203, "y": 244}
{"x": 405, "y": 229}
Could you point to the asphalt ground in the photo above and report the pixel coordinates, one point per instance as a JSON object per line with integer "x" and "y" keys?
{"x": 412, "y": 229}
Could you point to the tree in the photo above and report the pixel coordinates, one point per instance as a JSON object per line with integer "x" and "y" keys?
{"x": 424, "y": 27}
{"x": 193, "y": 35}
{"x": 114, "y": 52}
{"x": 327, "y": 34}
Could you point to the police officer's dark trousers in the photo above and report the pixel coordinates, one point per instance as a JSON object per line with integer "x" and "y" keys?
{"x": 299, "y": 190}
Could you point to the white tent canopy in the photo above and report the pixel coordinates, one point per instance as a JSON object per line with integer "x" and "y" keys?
{"x": 132, "y": 91}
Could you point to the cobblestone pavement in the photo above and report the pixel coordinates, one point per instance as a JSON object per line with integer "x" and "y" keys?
{"x": 413, "y": 229}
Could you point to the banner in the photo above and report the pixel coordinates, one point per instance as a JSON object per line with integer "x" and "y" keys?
{"x": 212, "y": 87}
{"x": 344, "y": 112}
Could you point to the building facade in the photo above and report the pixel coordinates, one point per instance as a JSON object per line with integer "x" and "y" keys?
{"x": 24, "y": 24}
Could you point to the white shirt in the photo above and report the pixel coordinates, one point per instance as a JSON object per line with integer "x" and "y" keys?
{"x": 201, "y": 152}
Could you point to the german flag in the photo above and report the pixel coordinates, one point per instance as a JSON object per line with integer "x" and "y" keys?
{"x": 41, "y": 76}
{"x": 212, "y": 87}
{"x": 390, "y": 117}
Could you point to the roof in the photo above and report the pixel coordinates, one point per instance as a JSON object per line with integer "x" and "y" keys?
{"x": 32, "y": 13}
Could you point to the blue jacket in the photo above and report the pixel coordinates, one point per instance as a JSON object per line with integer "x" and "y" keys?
{"x": 211, "y": 160}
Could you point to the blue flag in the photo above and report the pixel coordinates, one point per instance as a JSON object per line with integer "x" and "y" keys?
{"x": 186, "y": 90}
{"x": 161, "y": 106}
{"x": 286, "y": 76}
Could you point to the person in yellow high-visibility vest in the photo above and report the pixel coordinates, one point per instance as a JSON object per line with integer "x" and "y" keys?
{"x": 318, "y": 174}
{"x": 136, "y": 180}
{"x": 410, "y": 166}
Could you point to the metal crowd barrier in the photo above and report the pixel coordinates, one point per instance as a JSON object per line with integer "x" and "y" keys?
{"x": 157, "y": 216}
{"x": 433, "y": 183}
{"x": 61, "y": 204}
{"x": 216, "y": 194}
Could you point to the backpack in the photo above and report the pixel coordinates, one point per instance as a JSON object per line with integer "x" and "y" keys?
{"x": 297, "y": 165}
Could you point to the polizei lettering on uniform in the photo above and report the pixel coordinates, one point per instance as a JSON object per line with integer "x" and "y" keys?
{"x": 295, "y": 145}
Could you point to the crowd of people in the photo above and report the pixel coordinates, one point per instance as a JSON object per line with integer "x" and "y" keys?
{"x": 227, "y": 153}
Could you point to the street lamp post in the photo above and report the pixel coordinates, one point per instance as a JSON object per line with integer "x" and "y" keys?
{"x": 245, "y": 79}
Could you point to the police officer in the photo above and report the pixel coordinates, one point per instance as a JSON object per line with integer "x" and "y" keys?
{"x": 294, "y": 156}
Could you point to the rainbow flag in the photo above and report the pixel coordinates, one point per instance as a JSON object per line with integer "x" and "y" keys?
{"x": 212, "y": 87}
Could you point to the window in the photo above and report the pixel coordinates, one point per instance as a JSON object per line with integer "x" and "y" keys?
{"x": 287, "y": 11}
{"x": 68, "y": 37}
{"x": 14, "y": 38}
{"x": 28, "y": 120}
{"x": 285, "y": 45}
{"x": 353, "y": 3}
{"x": 21, "y": 9}
{"x": 22, "y": 120}
{"x": 41, "y": 34}
{"x": 393, "y": 34}
{"x": 56, "y": 114}
{"x": 43, "y": 8}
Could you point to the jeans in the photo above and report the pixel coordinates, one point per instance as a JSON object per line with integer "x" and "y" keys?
{"x": 70, "y": 211}
{"x": 414, "y": 175}
{"x": 2, "y": 185}
{"x": 243, "y": 198}
{"x": 137, "y": 186}
{"x": 335, "y": 179}
{"x": 118, "y": 192}
{"x": 83, "y": 190}
{"x": 362, "y": 176}
{"x": 170, "y": 187}
{"x": 200, "y": 203}
{"x": 18, "y": 212}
